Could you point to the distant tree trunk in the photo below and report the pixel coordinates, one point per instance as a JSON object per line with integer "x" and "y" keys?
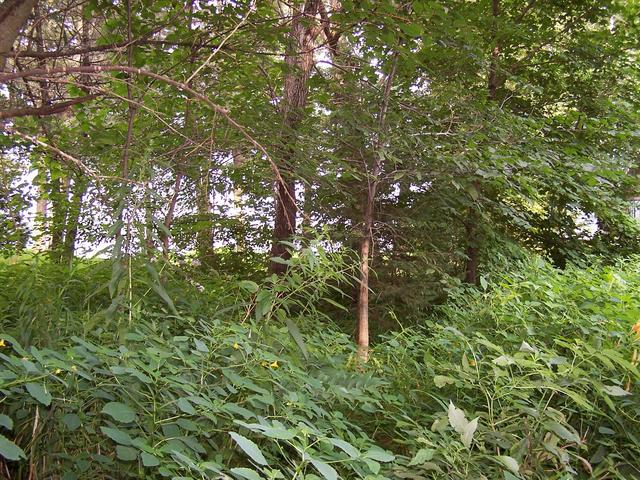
{"x": 299, "y": 62}
{"x": 238, "y": 161}
{"x": 80, "y": 183}
{"x": 180, "y": 164}
{"x": 73, "y": 217}
{"x": 368, "y": 219}
{"x": 471, "y": 224}
{"x": 168, "y": 219}
{"x": 204, "y": 235}
{"x": 13, "y": 16}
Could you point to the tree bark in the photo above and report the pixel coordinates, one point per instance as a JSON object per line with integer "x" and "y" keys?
{"x": 299, "y": 62}
{"x": 368, "y": 220}
{"x": 471, "y": 224}
{"x": 13, "y": 16}
{"x": 73, "y": 217}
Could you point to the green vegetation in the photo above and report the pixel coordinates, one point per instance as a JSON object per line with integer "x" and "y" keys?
{"x": 319, "y": 239}
{"x": 531, "y": 376}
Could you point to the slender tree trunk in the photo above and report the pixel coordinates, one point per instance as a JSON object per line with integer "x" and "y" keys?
{"x": 299, "y": 61}
{"x": 13, "y": 16}
{"x": 471, "y": 224}
{"x": 73, "y": 217}
{"x": 168, "y": 219}
{"x": 368, "y": 220}
{"x": 126, "y": 149}
{"x": 238, "y": 162}
{"x": 204, "y": 236}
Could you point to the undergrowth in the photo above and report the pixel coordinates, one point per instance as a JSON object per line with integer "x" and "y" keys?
{"x": 531, "y": 376}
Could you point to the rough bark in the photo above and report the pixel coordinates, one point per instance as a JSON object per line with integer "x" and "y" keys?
{"x": 13, "y": 16}
{"x": 299, "y": 61}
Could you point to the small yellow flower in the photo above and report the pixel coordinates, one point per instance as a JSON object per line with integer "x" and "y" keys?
{"x": 236, "y": 346}
{"x": 57, "y": 371}
{"x": 274, "y": 364}
{"x": 74, "y": 368}
{"x": 636, "y": 329}
{"x": 264, "y": 363}
{"x": 472, "y": 363}
{"x": 2, "y": 342}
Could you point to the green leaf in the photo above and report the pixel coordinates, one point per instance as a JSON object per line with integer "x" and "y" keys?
{"x": 249, "y": 448}
{"x": 71, "y": 421}
{"x": 423, "y": 455}
{"x": 509, "y": 462}
{"x": 249, "y": 286}
{"x": 149, "y": 460}
{"x": 126, "y": 454}
{"x": 297, "y": 337}
{"x": 379, "y": 455}
{"x": 39, "y": 392}
{"x": 6, "y": 422}
{"x": 561, "y": 431}
{"x": 411, "y": 29}
{"x": 245, "y": 473}
{"x": 373, "y": 465}
{"x": 346, "y": 447}
{"x": 186, "y": 407}
{"x": 615, "y": 391}
{"x": 201, "y": 346}
{"x": 442, "y": 380}
{"x": 10, "y": 450}
{"x": 326, "y": 470}
{"x": 116, "y": 435}
{"x": 119, "y": 412}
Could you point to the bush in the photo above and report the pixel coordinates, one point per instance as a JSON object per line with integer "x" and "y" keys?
{"x": 532, "y": 376}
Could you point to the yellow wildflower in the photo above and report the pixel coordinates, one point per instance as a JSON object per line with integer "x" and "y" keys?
{"x": 74, "y": 368}
{"x": 236, "y": 346}
{"x": 2, "y": 342}
{"x": 274, "y": 364}
{"x": 636, "y": 329}
{"x": 472, "y": 363}
{"x": 57, "y": 371}
{"x": 264, "y": 363}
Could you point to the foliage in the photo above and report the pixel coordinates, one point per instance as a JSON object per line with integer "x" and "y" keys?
{"x": 532, "y": 376}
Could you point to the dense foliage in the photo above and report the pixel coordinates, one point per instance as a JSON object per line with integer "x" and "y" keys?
{"x": 198, "y": 198}
{"x": 532, "y": 376}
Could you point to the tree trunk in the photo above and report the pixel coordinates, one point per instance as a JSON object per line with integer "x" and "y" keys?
{"x": 368, "y": 219}
{"x": 168, "y": 219}
{"x": 204, "y": 235}
{"x": 73, "y": 217}
{"x": 471, "y": 224}
{"x": 13, "y": 15}
{"x": 299, "y": 61}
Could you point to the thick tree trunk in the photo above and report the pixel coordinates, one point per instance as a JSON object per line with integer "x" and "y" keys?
{"x": 13, "y": 15}
{"x": 299, "y": 61}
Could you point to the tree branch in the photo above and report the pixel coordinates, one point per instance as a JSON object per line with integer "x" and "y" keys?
{"x": 46, "y": 109}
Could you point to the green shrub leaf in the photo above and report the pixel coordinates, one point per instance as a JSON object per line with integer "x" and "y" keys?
{"x": 39, "y": 392}
{"x": 119, "y": 412}
{"x": 10, "y": 450}
{"x": 249, "y": 448}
